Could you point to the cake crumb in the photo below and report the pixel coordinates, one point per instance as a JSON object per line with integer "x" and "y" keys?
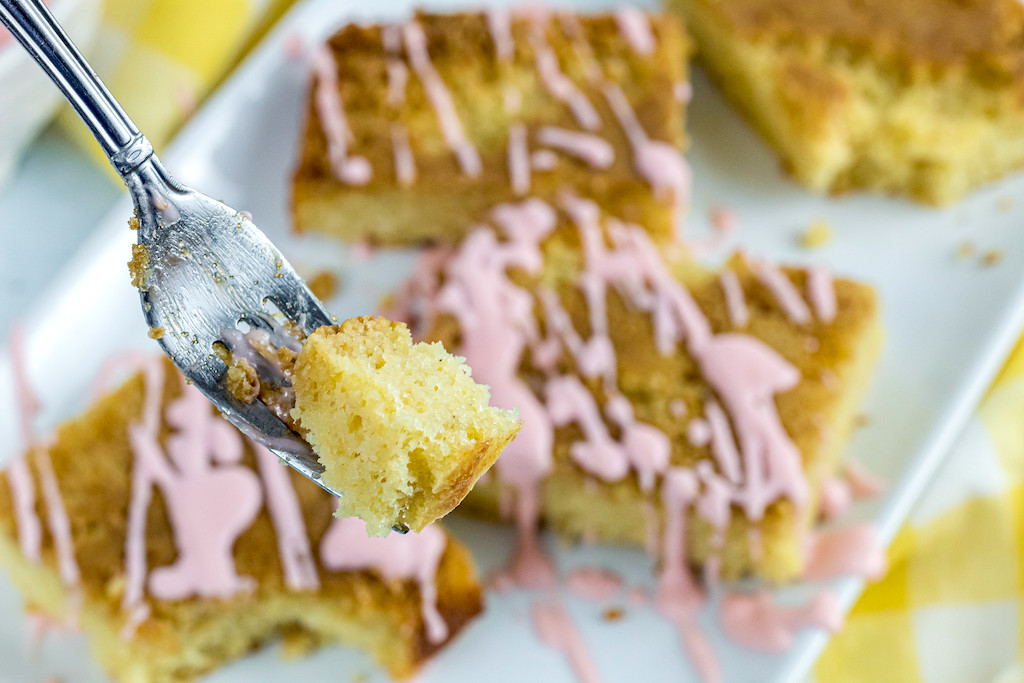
{"x": 243, "y": 382}
{"x": 817, "y": 235}
{"x": 297, "y": 642}
{"x": 139, "y": 266}
{"x": 115, "y": 587}
{"x": 1005, "y": 203}
{"x": 133, "y": 222}
{"x": 861, "y": 420}
{"x": 965, "y": 250}
{"x": 323, "y": 284}
{"x": 992, "y": 257}
{"x": 156, "y": 333}
{"x": 613, "y": 614}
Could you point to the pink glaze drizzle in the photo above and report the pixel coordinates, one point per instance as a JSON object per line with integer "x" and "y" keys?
{"x": 698, "y": 432}
{"x": 596, "y": 584}
{"x": 141, "y": 490}
{"x": 635, "y": 29}
{"x": 784, "y": 291}
{"x": 849, "y": 551}
{"x": 735, "y": 302}
{"x": 518, "y": 159}
{"x": 441, "y": 99}
{"x": 405, "y": 163}
{"x": 398, "y": 78}
{"x": 292, "y": 541}
{"x": 294, "y": 46}
{"x": 723, "y": 219}
{"x": 677, "y": 408}
{"x": 756, "y": 622}
{"x": 678, "y": 598}
{"x": 211, "y": 499}
{"x": 496, "y": 320}
{"x": 568, "y": 402}
{"x": 543, "y": 160}
{"x": 351, "y": 170}
{"x": 588, "y": 148}
{"x": 659, "y": 163}
{"x": 862, "y": 483}
{"x": 57, "y": 516}
{"x": 556, "y": 629}
{"x": 683, "y": 91}
{"x": 396, "y": 557}
{"x": 834, "y": 498}
{"x": 57, "y": 519}
{"x": 500, "y": 27}
{"x": 821, "y": 292}
{"x": 558, "y": 84}
{"x": 391, "y": 39}
{"x": 23, "y": 493}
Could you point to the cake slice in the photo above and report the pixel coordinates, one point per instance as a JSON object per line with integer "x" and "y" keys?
{"x": 413, "y": 130}
{"x": 176, "y": 545}
{"x": 921, "y": 98}
{"x": 650, "y": 388}
{"x": 402, "y": 429}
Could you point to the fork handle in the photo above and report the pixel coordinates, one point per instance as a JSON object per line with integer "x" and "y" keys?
{"x": 32, "y": 25}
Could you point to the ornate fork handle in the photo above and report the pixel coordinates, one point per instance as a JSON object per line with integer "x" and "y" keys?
{"x": 32, "y": 25}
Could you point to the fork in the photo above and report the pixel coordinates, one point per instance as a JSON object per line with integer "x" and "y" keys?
{"x": 201, "y": 267}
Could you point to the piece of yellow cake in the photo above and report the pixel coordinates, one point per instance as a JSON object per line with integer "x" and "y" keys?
{"x": 629, "y": 364}
{"x": 414, "y": 129}
{"x": 922, "y": 98}
{"x": 402, "y": 429}
{"x": 175, "y": 545}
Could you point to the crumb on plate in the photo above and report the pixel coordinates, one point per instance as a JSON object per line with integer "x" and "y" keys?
{"x": 817, "y": 235}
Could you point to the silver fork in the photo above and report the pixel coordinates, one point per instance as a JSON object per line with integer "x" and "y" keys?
{"x": 208, "y": 266}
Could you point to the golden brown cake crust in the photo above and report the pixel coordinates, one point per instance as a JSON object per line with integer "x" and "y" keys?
{"x": 443, "y": 200}
{"x": 987, "y": 35}
{"x": 92, "y": 462}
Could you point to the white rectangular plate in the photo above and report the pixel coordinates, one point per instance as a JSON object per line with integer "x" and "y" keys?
{"x": 949, "y": 322}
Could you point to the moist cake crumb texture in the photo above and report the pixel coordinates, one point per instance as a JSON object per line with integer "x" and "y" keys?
{"x": 402, "y": 429}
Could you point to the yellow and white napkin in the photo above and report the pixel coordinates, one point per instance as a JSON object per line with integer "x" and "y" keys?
{"x": 951, "y": 608}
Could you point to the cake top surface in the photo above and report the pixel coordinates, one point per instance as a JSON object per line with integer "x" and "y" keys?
{"x": 715, "y": 389}
{"x": 161, "y": 506}
{"x": 988, "y": 34}
{"x": 457, "y": 98}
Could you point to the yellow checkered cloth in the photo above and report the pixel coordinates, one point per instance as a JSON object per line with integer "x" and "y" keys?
{"x": 951, "y": 607}
{"x": 160, "y": 58}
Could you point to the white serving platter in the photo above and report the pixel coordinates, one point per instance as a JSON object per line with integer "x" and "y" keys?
{"x": 949, "y": 323}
